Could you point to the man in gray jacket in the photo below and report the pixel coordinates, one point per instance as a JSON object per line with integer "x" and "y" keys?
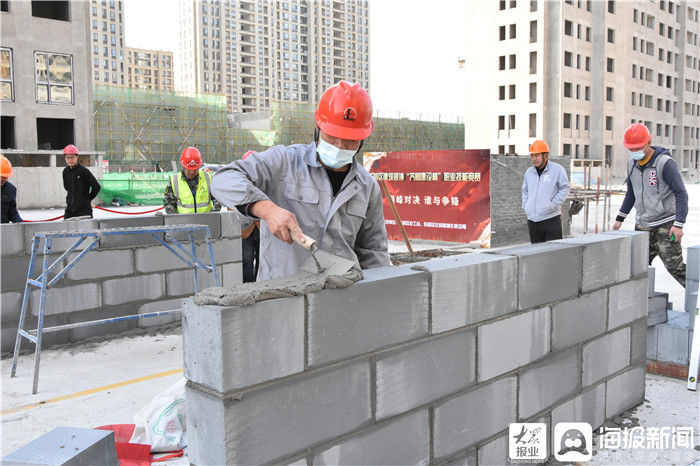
{"x": 318, "y": 189}
{"x": 545, "y": 188}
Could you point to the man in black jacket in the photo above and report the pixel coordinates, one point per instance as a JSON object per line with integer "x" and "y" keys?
{"x": 9, "y": 193}
{"x": 80, "y": 184}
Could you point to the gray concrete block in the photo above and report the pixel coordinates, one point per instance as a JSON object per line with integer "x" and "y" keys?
{"x": 231, "y": 274}
{"x": 624, "y": 391}
{"x": 58, "y": 245}
{"x": 210, "y": 219}
{"x": 10, "y": 306}
{"x": 638, "y": 346}
{"x": 640, "y": 249}
{"x": 459, "y": 289}
{"x": 12, "y": 235}
{"x": 605, "y": 356}
{"x": 657, "y": 309}
{"x": 230, "y": 224}
{"x": 652, "y": 277}
{"x": 672, "y": 344}
{"x": 13, "y": 271}
{"x": 693, "y": 259}
{"x": 159, "y": 258}
{"x": 579, "y": 319}
{"x": 547, "y": 383}
{"x": 556, "y": 265}
{"x": 64, "y": 299}
{"x": 181, "y": 282}
{"x": 607, "y": 259}
{"x": 455, "y": 426}
{"x": 465, "y": 459}
{"x": 278, "y": 421}
{"x": 101, "y": 264}
{"x": 67, "y": 445}
{"x": 363, "y": 317}
{"x": 652, "y": 338}
{"x": 227, "y": 348}
{"x": 157, "y": 306}
{"x": 627, "y": 302}
{"x": 131, "y": 240}
{"x": 588, "y": 407}
{"x": 132, "y": 289}
{"x": 494, "y": 453}
{"x": 402, "y": 441}
{"x": 527, "y": 336}
{"x": 424, "y": 372}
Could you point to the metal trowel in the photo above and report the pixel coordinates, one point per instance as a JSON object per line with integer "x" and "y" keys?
{"x": 310, "y": 244}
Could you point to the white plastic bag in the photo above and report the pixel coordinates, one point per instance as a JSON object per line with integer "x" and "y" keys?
{"x": 161, "y": 423}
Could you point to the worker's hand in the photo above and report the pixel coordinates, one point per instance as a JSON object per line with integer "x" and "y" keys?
{"x": 617, "y": 225}
{"x": 281, "y": 222}
{"x": 677, "y": 232}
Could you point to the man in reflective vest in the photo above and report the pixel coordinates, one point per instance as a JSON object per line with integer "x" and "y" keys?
{"x": 189, "y": 191}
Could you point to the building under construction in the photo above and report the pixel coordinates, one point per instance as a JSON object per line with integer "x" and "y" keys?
{"x": 142, "y": 128}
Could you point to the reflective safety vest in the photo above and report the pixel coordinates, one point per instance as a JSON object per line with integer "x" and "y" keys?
{"x": 186, "y": 203}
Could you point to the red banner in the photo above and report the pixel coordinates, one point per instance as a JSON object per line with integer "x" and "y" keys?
{"x": 440, "y": 195}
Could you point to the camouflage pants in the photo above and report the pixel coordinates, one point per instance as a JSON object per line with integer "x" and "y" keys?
{"x": 670, "y": 252}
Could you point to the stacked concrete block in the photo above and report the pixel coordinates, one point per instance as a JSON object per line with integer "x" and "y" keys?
{"x": 123, "y": 275}
{"x": 606, "y": 260}
{"x": 413, "y": 364}
{"x": 640, "y": 249}
{"x": 692, "y": 278}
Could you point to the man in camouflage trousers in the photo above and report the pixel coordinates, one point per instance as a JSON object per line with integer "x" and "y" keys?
{"x": 656, "y": 190}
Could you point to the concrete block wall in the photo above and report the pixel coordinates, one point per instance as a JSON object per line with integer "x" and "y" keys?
{"x": 420, "y": 364}
{"x": 122, "y": 275}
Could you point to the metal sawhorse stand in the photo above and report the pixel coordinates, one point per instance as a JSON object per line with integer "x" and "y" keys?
{"x": 43, "y": 281}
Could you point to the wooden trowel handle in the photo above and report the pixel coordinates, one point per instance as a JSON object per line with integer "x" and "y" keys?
{"x": 306, "y": 241}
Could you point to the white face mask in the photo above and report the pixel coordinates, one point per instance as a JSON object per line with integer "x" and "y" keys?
{"x": 334, "y": 157}
{"x": 637, "y": 154}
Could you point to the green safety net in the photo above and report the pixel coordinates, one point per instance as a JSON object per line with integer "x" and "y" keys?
{"x": 134, "y": 188}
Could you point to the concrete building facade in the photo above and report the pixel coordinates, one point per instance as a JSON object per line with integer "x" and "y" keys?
{"x": 107, "y": 41}
{"x": 577, "y": 73}
{"x": 149, "y": 69}
{"x": 257, "y": 51}
{"x": 46, "y": 99}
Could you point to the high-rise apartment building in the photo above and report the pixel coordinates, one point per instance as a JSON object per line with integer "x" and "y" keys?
{"x": 259, "y": 51}
{"x": 149, "y": 69}
{"x": 108, "y": 46}
{"x": 577, "y": 73}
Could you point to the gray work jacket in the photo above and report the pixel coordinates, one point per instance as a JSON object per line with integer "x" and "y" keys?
{"x": 351, "y": 225}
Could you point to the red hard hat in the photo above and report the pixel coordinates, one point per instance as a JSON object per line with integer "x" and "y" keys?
{"x": 5, "y": 167}
{"x": 247, "y": 154}
{"x": 637, "y": 136}
{"x": 70, "y": 149}
{"x": 191, "y": 159}
{"x": 345, "y": 111}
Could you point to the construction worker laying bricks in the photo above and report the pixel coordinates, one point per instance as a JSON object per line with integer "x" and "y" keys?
{"x": 545, "y": 187}
{"x": 9, "y": 193}
{"x": 189, "y": 191}
{"x": 317, "y": 189}
{"x": 656, "y": 190}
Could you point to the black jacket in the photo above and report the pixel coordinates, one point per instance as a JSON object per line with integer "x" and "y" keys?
{"x": 81, "y": 187}
{"x": 9, "y": 204}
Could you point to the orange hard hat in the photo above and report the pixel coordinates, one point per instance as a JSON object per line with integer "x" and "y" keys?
{"x": 5, "y": 167}
{"x": 538, "y": 147}
{"x": 345, "y": 112}
{"x": 191, "y": 159}
{"x": 70, "y": 149}
{"x": 637, "y": 136}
